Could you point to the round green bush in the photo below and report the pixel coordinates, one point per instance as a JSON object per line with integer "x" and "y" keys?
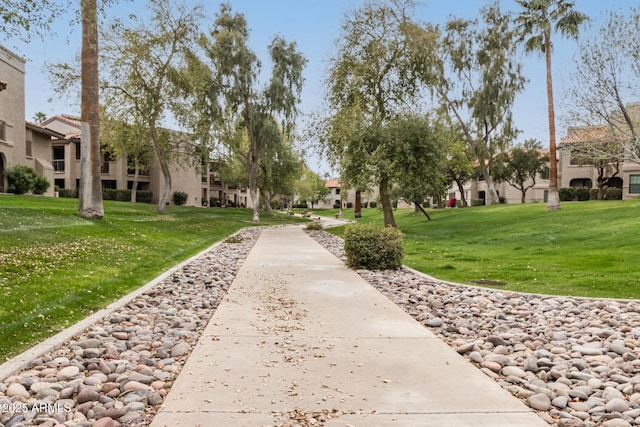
{"x": 180, "y": 198}
{"x": 373, "y": 247}
{"x": 40, "y": 184}
{"x": 21, "y": 179}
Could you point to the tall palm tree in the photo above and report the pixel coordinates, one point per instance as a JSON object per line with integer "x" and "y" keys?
{"x": 535, "y": 23}
{"x": 90, "y": 198}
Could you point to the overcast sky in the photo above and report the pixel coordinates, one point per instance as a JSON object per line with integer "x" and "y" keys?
{"x": 314, "y": 25}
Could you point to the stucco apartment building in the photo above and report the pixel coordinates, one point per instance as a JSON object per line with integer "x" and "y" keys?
{"x": 21, "y": 142}
{"x": 575, "y": 173}
{"x": 52, "y": 148}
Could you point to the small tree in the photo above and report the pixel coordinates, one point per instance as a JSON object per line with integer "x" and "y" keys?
{"x": 521, "y": 166}
{"x": 225, "y": 96}
{"x": 141, "y": 60}
{"x": 471, "y": 70}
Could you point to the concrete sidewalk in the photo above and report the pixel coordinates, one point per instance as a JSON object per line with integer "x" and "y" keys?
{"x": 300, "y": 337}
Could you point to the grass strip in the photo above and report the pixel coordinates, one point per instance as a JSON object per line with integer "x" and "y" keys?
{"x": 56, "y": 267}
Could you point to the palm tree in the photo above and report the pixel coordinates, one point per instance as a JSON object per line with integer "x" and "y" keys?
{"x": 90, "y": 198}
{"x": 535, "y": 23}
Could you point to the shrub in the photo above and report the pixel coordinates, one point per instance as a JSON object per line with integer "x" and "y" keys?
{"x": 582, "y": 193}
{"x": 373, "y": 204}
{"x": 68, "y": 193}
{"x": 21, "y": 179}
{"x": 314, "y": 225}
{"x": 566, "y": 194}
{"x": 477, "y": 202}
{"x": 503, "y": 200}
{"x": 349, "y": 205}
{"x": 143, "y": 196}
{"x": 613, "y": 193}
{"x": 373, "y": 247}
{"x": 214, "y": 202}
{"x": 365, "y": 205}
{"x": 40, "y": 184}
{"x": 180, "y": 198}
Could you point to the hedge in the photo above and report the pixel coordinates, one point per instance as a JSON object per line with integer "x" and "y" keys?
{"x": 373, "y": 247}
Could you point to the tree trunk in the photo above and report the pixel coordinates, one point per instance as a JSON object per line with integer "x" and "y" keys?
{"x": 495, "y": 199}
{"x": 553, "y": 201}
{"x": 266, "y": 203}
{"x": 164, "y": 166}
{"x": 253, "y": 190}
{"x": 419, "y": 208}
{"x": 385, "y": 200}
{"x": 357, "y": 208}
{"x": 136, "y": 176}
{"x": 462, "y": 196}
{"x": 90, "y": 197}
{"x": 524, "y": 196}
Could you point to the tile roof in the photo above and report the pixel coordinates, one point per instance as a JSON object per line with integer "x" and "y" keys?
{"x": 601, "y": 133}
{"x": 333, "y": 183}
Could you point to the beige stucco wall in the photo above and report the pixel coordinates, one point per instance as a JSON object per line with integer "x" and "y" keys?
{"x": 12, "y": 148}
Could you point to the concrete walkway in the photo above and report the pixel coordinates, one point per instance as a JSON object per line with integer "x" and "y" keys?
{"x": 299, "y": 337}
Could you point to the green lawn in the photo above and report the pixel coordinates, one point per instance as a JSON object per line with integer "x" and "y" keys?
{"x": 585, "y": 249}
{"x": 56, "y": 268}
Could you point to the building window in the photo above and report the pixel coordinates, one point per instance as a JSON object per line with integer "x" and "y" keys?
{"x": 545, "y": 173}
{"x": 634, "y": 184}
{"x": 3, "y": 132}
{"x": 337, "y": 191}
{"x": 29, "y": 149}
{"x": 58, "y": 159}
{"x": 77, "y": 144}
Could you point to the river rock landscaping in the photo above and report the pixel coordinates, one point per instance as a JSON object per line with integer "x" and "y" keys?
{"x": 574, "y": 360}
{"x": 118, "y": 371}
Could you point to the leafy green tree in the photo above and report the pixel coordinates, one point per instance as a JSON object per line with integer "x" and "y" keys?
{"x": 311, "y": 187}
{"x": 224, "y": 94}
{"x": 369, "y": 83}
{"x": 536, "y": 22}
{"x": 417, "y": 146}
{"x": 521, "y": 166}
{"x": 26, "y": 18}
{"x": 128, "y": 137}
{"x": 280, "y": 167}
{"x": 470, "y": 68}
{"x": 141, "y": 60}
{"x": 458, "y": 164}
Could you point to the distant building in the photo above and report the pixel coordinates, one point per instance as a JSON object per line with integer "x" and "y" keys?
{"x": 576, "y": 172}
{"x": 21, "y": 142}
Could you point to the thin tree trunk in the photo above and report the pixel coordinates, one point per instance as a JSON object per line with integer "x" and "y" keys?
{"x": 253, "y": 190}
{"x": 164, "y": 166}
{"x": 136, "y": 177}
{"x": 266, "y": 202}
{"x": 553, "y": 201}
{"x": 357, "y": 208}
{"x": 385, "y": 200}
{"x": 90, "y": 197}
{"x": 419, "y": 208}
{"x": 495, "y": 199}
{"x": 462, "y": 196}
